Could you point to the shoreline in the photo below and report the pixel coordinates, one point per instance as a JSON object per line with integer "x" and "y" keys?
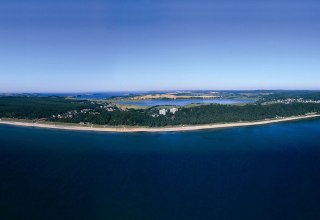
{"x": 158, "y": 129}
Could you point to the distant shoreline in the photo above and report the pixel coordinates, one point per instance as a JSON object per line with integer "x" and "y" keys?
{"x": 128, "y": 129}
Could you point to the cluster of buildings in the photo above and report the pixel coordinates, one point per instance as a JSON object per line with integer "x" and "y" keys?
{"x": 108, "y": 108}
{"x": 85, "y": 110}
{"x": 171, "y": 110}
{"x": 69, "y": 114}
{"x": 293, "y": 100}
{"x": 165, "y": 111}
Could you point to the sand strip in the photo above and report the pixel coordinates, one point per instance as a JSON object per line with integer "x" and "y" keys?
{"x": 76, "y": 127}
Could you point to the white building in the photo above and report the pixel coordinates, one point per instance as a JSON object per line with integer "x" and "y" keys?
{"x": 173, "y": 110}
{"x": 162, "y": 112}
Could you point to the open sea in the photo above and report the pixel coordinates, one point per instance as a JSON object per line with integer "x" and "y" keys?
{"x": 264, "y": 172}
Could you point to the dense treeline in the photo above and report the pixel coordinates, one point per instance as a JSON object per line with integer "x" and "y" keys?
{"x": 38, "y": 107}
{"x": 35, "y": 108}
{"x": 233, "y": 113}
{"x": 310, "y": 95}
{"x": 198, "y": 115}
{"x": 117, "y": 117}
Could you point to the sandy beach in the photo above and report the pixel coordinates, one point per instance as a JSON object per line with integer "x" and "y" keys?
{"x": 148, "y": 129}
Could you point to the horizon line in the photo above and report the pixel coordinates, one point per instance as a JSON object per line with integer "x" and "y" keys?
{"x": 145, "y": 91}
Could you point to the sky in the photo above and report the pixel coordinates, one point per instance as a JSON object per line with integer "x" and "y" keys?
{"x": 141, "y": 45}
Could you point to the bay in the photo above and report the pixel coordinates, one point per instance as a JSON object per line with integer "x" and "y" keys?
{"x": 262, "y": 172}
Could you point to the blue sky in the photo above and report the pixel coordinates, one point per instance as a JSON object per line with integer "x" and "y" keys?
{"x": 121, "y": 45}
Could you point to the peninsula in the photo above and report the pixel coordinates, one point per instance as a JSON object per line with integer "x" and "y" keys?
{"x": 127, "y": 129}
{"x": 106, "y": 114}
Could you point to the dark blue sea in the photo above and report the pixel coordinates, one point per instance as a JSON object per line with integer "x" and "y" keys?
{"x": 265, "y": 172}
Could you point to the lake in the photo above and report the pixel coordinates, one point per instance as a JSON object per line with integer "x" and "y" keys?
{"x": 183, "y": 102}
{"x": 155, "y": 102}
{"x": 262, "y": 172}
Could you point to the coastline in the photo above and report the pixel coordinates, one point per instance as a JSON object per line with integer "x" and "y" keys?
{"x": 158, "y": 129}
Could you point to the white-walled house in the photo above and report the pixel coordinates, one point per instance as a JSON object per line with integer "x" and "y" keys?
{"x": 173, "y": 110}
{"x": 162, "y": 112}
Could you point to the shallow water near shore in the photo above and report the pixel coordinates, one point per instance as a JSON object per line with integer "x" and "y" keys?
{"x": 262, "y": 172}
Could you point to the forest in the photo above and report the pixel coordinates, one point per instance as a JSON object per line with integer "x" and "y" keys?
{"x": 85, "y": 111}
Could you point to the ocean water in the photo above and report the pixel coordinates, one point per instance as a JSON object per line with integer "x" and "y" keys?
{"x": 105, "y": 95}
{"x": 263, "y": 172}
{"x": 183, "y": 102}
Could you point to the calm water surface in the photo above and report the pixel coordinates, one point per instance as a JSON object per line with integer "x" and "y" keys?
{"x": 265, "y": 172}
{"x": 183, "y": 102}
